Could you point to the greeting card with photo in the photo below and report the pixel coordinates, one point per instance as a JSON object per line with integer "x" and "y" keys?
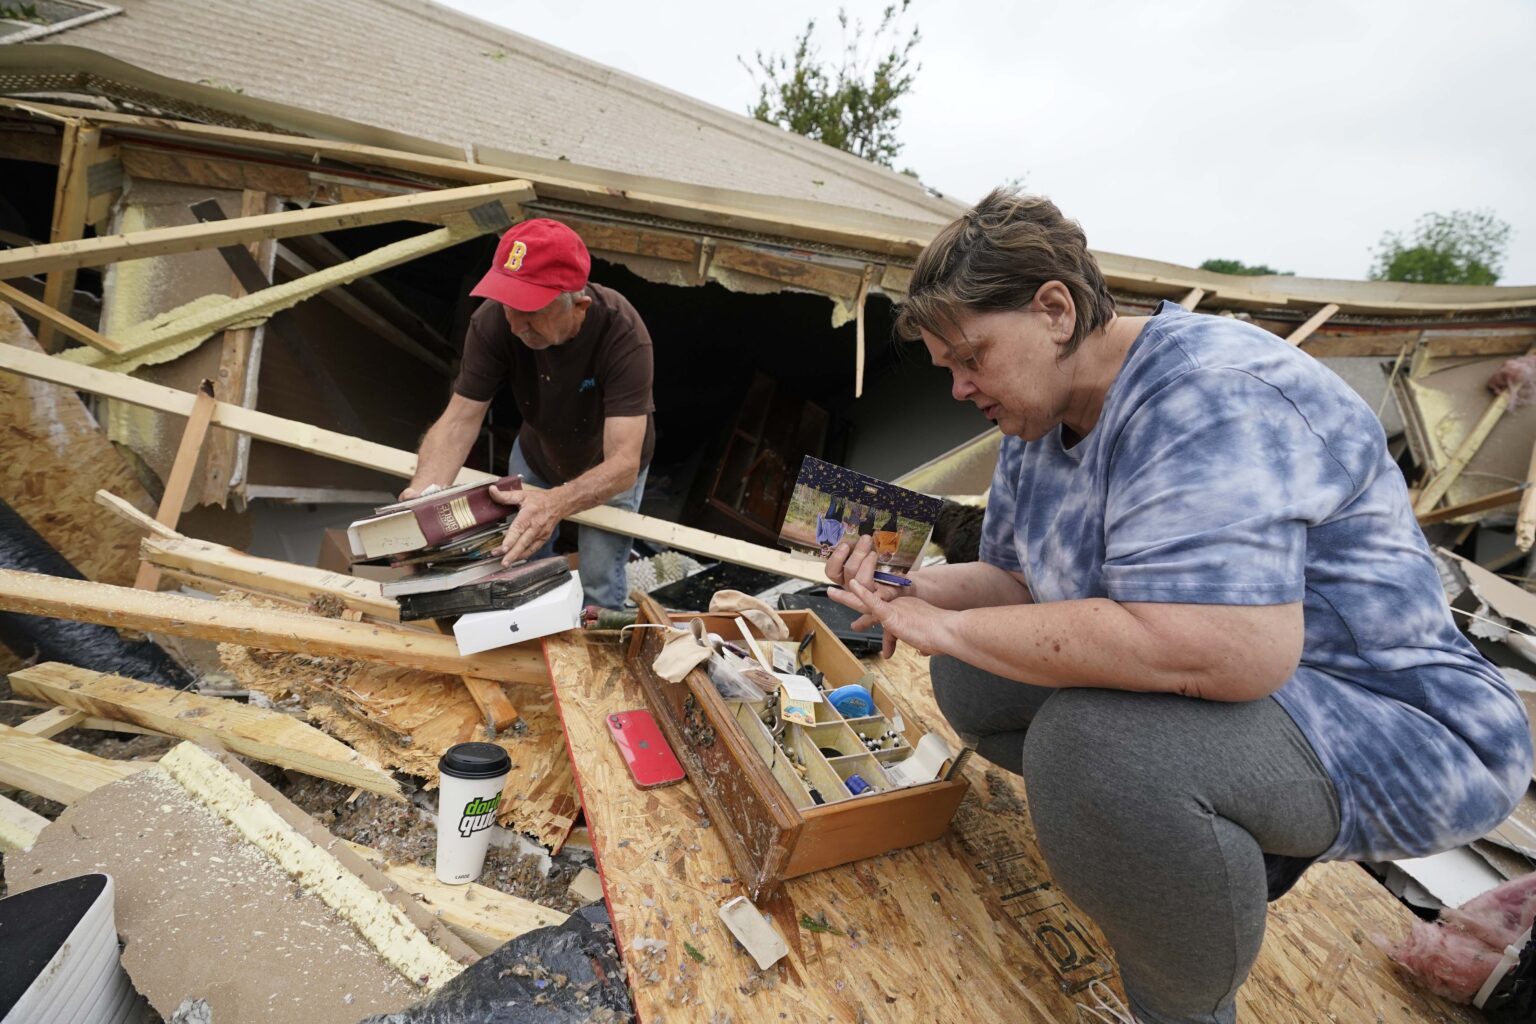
{"x": 830, "y": 503}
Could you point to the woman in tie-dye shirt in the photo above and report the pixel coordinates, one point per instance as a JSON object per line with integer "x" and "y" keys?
{"x": 1205, "y": 626}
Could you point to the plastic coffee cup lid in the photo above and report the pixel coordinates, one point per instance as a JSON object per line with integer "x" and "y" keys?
{"x": 474, "y": 761}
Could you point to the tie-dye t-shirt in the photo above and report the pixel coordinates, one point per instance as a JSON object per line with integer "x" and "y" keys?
{"x": 1229, "y": 468}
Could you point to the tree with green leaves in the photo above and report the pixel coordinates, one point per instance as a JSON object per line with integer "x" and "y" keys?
{"x": 1460, "y": 247}
{"x": 1243, "y": 269}
{"x": 853, "y": 103}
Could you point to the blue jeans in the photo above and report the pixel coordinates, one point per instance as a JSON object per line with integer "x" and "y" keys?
{"x": 603, "y": 554}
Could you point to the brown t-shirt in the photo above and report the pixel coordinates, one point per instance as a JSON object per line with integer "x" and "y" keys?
{"x": 565, "y": 392}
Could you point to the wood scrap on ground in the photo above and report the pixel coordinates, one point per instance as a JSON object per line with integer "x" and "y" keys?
{"x": 976, "y": 908}
{"x": 215, "y": 868}
{"x": 267, "y": 736}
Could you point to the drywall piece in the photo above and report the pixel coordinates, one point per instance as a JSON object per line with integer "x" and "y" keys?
{"x": 587, "y": 886}
{"x": 58, "y": 943}
{"x": 386, "y": 927}
{"x": 268, "y": 736}
{"x": 755, "y": 931}
{"x": 1452, "y": 877}
{"x": 204, "y": 913}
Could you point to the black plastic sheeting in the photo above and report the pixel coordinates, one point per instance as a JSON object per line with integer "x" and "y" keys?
{"x": 564, "y": 974}
{"x": 99, "y": 648}
{"x": 1513, "y": 1000}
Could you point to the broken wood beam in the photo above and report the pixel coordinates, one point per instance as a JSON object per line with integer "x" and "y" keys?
{"x": 257, "y": 575}
{"x": 55, "y": 771}
{"x": 1497, "y": 499}
{"x": 51, "y": 722}
{"x": 428, "y": 206}
{"x": 1312, "y": 323}
{"x": 267, "y": 736}
{"x": 19, "y": 826}
{"x": 492, "y": 701}
{"x": 176, "y": 615}
{"x": 357, "y": 452}
{"x": 167, "y": 334}
{"x": 125, "y": 511}
{"x": 71, "y": 196}
{"x": 45, "y": 314}
{"x": 481, "y": 916}
{"x": 180, "y": 479}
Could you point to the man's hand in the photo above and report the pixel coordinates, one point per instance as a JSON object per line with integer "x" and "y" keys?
{"x": 911, "y": 620}
{"x": 538, "y": 515}
{"x": 409, "y": 493}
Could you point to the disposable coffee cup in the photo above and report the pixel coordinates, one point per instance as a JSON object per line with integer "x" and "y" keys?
{"x": 469, "y": 781}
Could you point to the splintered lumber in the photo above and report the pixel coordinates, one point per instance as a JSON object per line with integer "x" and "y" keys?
{"x": 52, "y": 770}
{"x": 978, "y": 906}
{"x": 71, "y": 196}
{"x": 267, "y": 575}
{"x": 428, "y": 206}
{"x": 18, "y": 826}
{"x": 357, "y": 452}
{"x": 406, "y": 719}
{"x": 492, "y": 701}
{"x": 125, "y": 608}
{"x": 267, "y": 736}
{"x": 483, "y": 917}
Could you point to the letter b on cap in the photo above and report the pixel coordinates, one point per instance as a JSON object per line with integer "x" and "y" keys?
{"x": 515, "y": 255}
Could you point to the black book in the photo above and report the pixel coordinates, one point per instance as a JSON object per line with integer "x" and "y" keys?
{"x": 509, "y": 588}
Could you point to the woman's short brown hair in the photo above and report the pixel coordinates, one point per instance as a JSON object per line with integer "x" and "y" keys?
{"x": 994, "y": 258}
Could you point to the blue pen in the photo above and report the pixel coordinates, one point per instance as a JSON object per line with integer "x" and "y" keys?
{"x": 891, "y": 578}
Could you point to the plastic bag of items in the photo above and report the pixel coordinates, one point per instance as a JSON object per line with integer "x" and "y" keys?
{"x": 1480, "y": 953}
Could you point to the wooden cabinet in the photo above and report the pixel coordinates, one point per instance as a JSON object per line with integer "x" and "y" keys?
{"x": 772, "y": 434}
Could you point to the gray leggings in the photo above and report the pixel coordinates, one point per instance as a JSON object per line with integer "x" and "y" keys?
{"x": 1163, "y": 817}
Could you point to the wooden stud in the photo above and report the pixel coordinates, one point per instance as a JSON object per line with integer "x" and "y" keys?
{"x": 71, "y": 195}
{"x": 1491, "y": 501}
{"x": 267, "y": 736}
{"x": 268, "y": 576}
{"x": 125, "y": 608}
{"x": 1313, "y": 322}
{"x": 394, "y": 461}
{"x": 51, "y": 722}
{"x": 1192, "y": 298}
{"x": 429, "y": 206}
{"x": 492, "y": 701}
{"x": 239, "y": 363}
{"x": 54, "y": 771}
{"x": 46, "y": 315}
{"x": 858, "y": 330}
{"x": 19, "y": 826}
{"x": 180, "y": 479}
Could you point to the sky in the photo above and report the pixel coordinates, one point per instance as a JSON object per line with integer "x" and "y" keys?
{"x": 1290, "y": 134}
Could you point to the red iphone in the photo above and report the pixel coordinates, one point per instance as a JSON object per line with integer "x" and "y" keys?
{"x": 651, "y": 761}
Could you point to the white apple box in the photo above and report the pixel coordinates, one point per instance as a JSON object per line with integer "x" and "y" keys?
{"x": 554, "y": 612}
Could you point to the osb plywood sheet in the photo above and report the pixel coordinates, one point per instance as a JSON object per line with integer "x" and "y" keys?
{"x": 405, "y": 719}
{"x": 53, "y": 459}
{"x": 206, "y": 914}
{"x": 967, "y": 928}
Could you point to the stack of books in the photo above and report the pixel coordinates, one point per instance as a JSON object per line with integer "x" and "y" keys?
{"x": 443, "y": 542}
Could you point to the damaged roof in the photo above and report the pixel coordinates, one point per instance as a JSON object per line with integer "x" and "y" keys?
{"x": 421, "y": 69}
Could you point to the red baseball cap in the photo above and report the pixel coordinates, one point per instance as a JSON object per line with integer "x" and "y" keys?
{"x": 535, "y": 262}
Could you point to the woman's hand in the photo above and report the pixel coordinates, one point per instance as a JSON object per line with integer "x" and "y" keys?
{"x": 911, "y": 620}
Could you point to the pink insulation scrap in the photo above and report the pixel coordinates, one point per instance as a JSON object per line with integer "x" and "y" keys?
{"x": 1518, "y": 377}
{"x": 1453, "y": 956}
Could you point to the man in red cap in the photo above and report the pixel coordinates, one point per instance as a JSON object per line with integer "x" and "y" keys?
{"x": 578, "y": 359}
